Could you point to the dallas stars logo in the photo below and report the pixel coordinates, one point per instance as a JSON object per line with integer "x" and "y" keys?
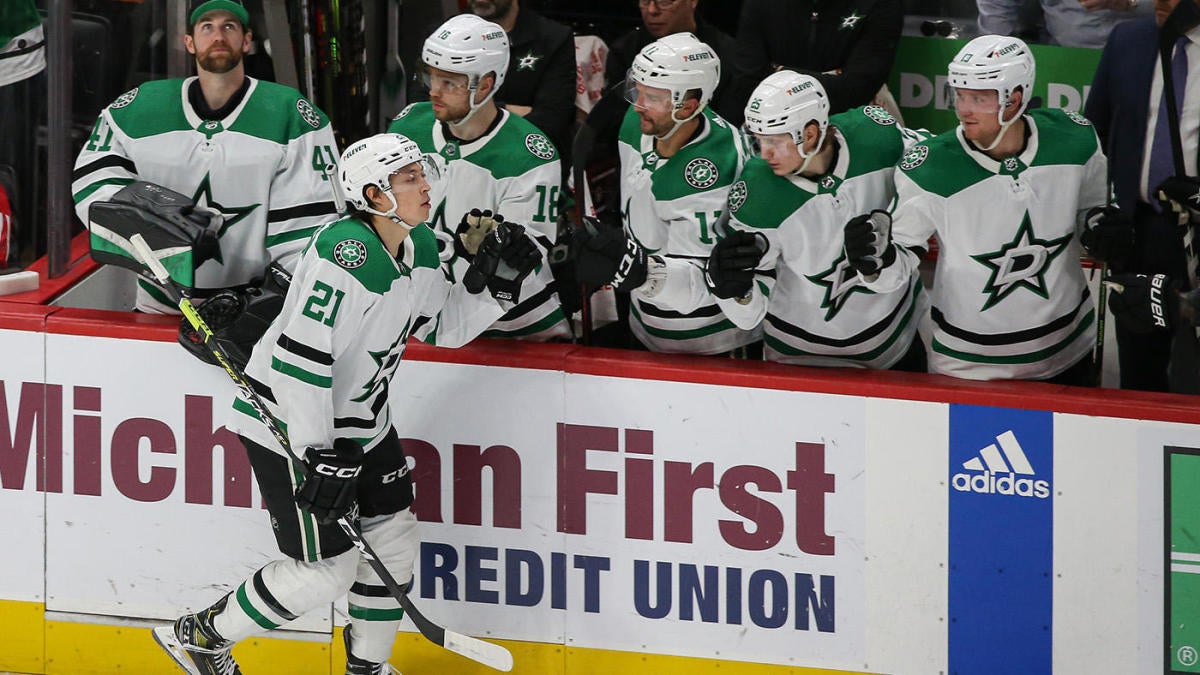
{"x": 850, "y": 21}
{"x": 528, "y": 62}
{"x": 1021, "y": 263}
{"x": 231, "y": 215}
{"x": 840, "y": 282}
{"x": 385, "y": 361}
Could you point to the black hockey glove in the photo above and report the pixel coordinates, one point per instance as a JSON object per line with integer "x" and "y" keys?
{"x": 1107, "y": 235}
{"x": 604, "y": 255}
{"x": 1144, "y": 304}
{"x": 328, "y": 492}
{"x": 868, "y": 243}
{"x": 474, "y": 227}
{"x": 238, "y": 318}
{"x": 731, "y": 264}
{"x": 1180, "y": 194}
{"x": 519, "y": 257}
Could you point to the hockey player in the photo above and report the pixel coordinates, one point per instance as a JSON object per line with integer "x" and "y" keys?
{"x": 1008, "y": 194}
{"x": 814, "y": 172}
{"x": 678, "y": 161}
{"x": 492, "y": 159}
{"x": 363, "y": 285}
{"x": 254, "y": 153}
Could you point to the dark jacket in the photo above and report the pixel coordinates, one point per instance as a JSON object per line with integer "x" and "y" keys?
{"x": 857, "y": 37}
{"x": 541, "y": 74}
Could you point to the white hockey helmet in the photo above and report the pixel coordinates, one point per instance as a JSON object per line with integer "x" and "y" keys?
{"x": 372, "y": 161}
{"x": 678, "y": 63}
{"x": 785, "y": 103}
{"x": 472, "y": 46}
{"x": 998, "y": 63}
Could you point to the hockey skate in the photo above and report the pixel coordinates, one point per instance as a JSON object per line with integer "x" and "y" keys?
{"x": 357, "y": 666}
{"x": 195, "y": 645}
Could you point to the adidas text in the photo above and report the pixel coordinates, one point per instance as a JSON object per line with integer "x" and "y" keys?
{"x": 1001, "y": 484}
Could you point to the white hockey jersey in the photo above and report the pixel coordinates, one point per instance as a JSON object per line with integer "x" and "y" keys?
{"x": 672, "y": 207}
{"x": 324, "y": 365}
{"x": 817, "y": 311}
{"x": 1010, "y": 300}
{"x": 262, "y": 167}
{"x": 513, "y": 170}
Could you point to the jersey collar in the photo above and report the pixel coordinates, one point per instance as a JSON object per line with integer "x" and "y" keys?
{"x": 452, "y": 148}
{"x": 832, "y": 179}
{"x": 194, "y": 119}
{"x": 1010, "y": 166}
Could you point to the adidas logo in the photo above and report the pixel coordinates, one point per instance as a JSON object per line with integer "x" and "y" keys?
{"x": 1003, "y": 470}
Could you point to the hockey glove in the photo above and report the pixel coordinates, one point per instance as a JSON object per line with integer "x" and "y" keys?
{"x": 604, "y": 255}
{"x": 329, "y": 490}
{"x": 1143, "y": 304}
{"x": 519, "y": 257}
{"x": 731, "y": 264}
{"x": 868, "y": 243}
{"x": 238, "y": 318}
{"x": 1107, "y": 235}
{"x": 473, "y": 229}
{"x": 1180, "y": 194}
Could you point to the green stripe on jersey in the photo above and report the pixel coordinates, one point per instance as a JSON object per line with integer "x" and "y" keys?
{"x": 242, "y": 406}
{"x": 298, "y": 373}
{"x": 87, "y": 191}
{"x": 304, "y": 233}
{"x": 689, "y": 334}
{"x": 1031, "y": 357}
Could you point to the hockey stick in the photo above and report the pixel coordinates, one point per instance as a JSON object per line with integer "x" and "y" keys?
{"x": 487, "y": 653}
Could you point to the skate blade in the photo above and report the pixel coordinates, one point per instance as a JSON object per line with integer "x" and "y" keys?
{"x": 165, "y": 637}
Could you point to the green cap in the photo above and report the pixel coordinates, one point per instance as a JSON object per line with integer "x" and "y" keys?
{"x": 234, "y": 7}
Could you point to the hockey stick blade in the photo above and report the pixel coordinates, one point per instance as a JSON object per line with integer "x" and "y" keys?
{"x": 486, "y": 653}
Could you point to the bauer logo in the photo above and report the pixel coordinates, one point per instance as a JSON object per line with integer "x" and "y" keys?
{"x": 1001, "y": 538}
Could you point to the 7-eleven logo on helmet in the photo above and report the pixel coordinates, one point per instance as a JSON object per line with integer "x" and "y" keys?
{"x": 1001, "y": 468}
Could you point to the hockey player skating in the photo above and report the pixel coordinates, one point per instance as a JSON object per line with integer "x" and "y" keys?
{"x": 678, "y": 161}
{"x": 363, "y": 285}
{"x": 491, "y": 159}
{"x": 1009, "y": 194}
{"x": 253, "y": 153}
{"x": 784, "y": 261}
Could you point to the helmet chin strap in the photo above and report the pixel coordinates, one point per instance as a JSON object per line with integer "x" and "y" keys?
{"x": 457, "y": 124}
{"x": 1004, "y": 126}
{"x": 810, "y": 156}
{"x": 390, "y": 214}
{"x": 678, "y": 123}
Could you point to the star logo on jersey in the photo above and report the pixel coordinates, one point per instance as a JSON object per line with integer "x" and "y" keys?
{"x": 850, "y": 21}
{"x": 540, "y": 146}
{"x": 350, "y": 253}
{"x": 385, "y": 361}
{"x": 1021, "y": 263}
{"x": 230, "y": 215}
{"x": 124, "y": 99}
{"x": 737, "y": 195}
{"x": 528, "y": 62}
{"x": 308, "y": 113}
{"x": 701, "y": 173}
{"x": 879, "y": 115}
{"x": 839, "y": 282}
{"x": 914, "y": 158}
{"x": 1077, "y": 118}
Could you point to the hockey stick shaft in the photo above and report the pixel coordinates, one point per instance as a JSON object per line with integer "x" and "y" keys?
{"x": 1101, "y": 322}
{"x": 488, "y": 654}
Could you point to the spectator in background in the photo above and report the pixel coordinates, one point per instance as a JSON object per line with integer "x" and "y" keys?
{"x": 665, "y": 17}
{"x": 1127, "y": 96}
{"x": 22, "y": 57}
{"x": 540, "y": 84}
{"x": 848, "y": 45}
{"x": 1069, "y": 23}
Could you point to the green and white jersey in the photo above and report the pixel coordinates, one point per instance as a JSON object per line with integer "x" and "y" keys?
{"x": 513, "y": 170}
{"x": 262, "y": 167}
{"x": 325, "y": 364}
{"x": 816, "y": 311}
{"x": 22, "y": 41}
{"x": 672, "y": 207}
{"x": 1010, "y": 300}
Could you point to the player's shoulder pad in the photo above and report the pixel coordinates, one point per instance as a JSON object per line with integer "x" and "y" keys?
{"x": 419, "y": 114}
{"x": 356, "y": 250}
{"x": 710, "y": 164}
{"x": 280, "y": 113}
{"x": 517, "y": 148}
{"x": 941, "y": 166}
{"x": 150, "y": 108}
{"x": 1064, "y": 137}
{"x": 875, "y": 138}
{"x": 761, "y": 200}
